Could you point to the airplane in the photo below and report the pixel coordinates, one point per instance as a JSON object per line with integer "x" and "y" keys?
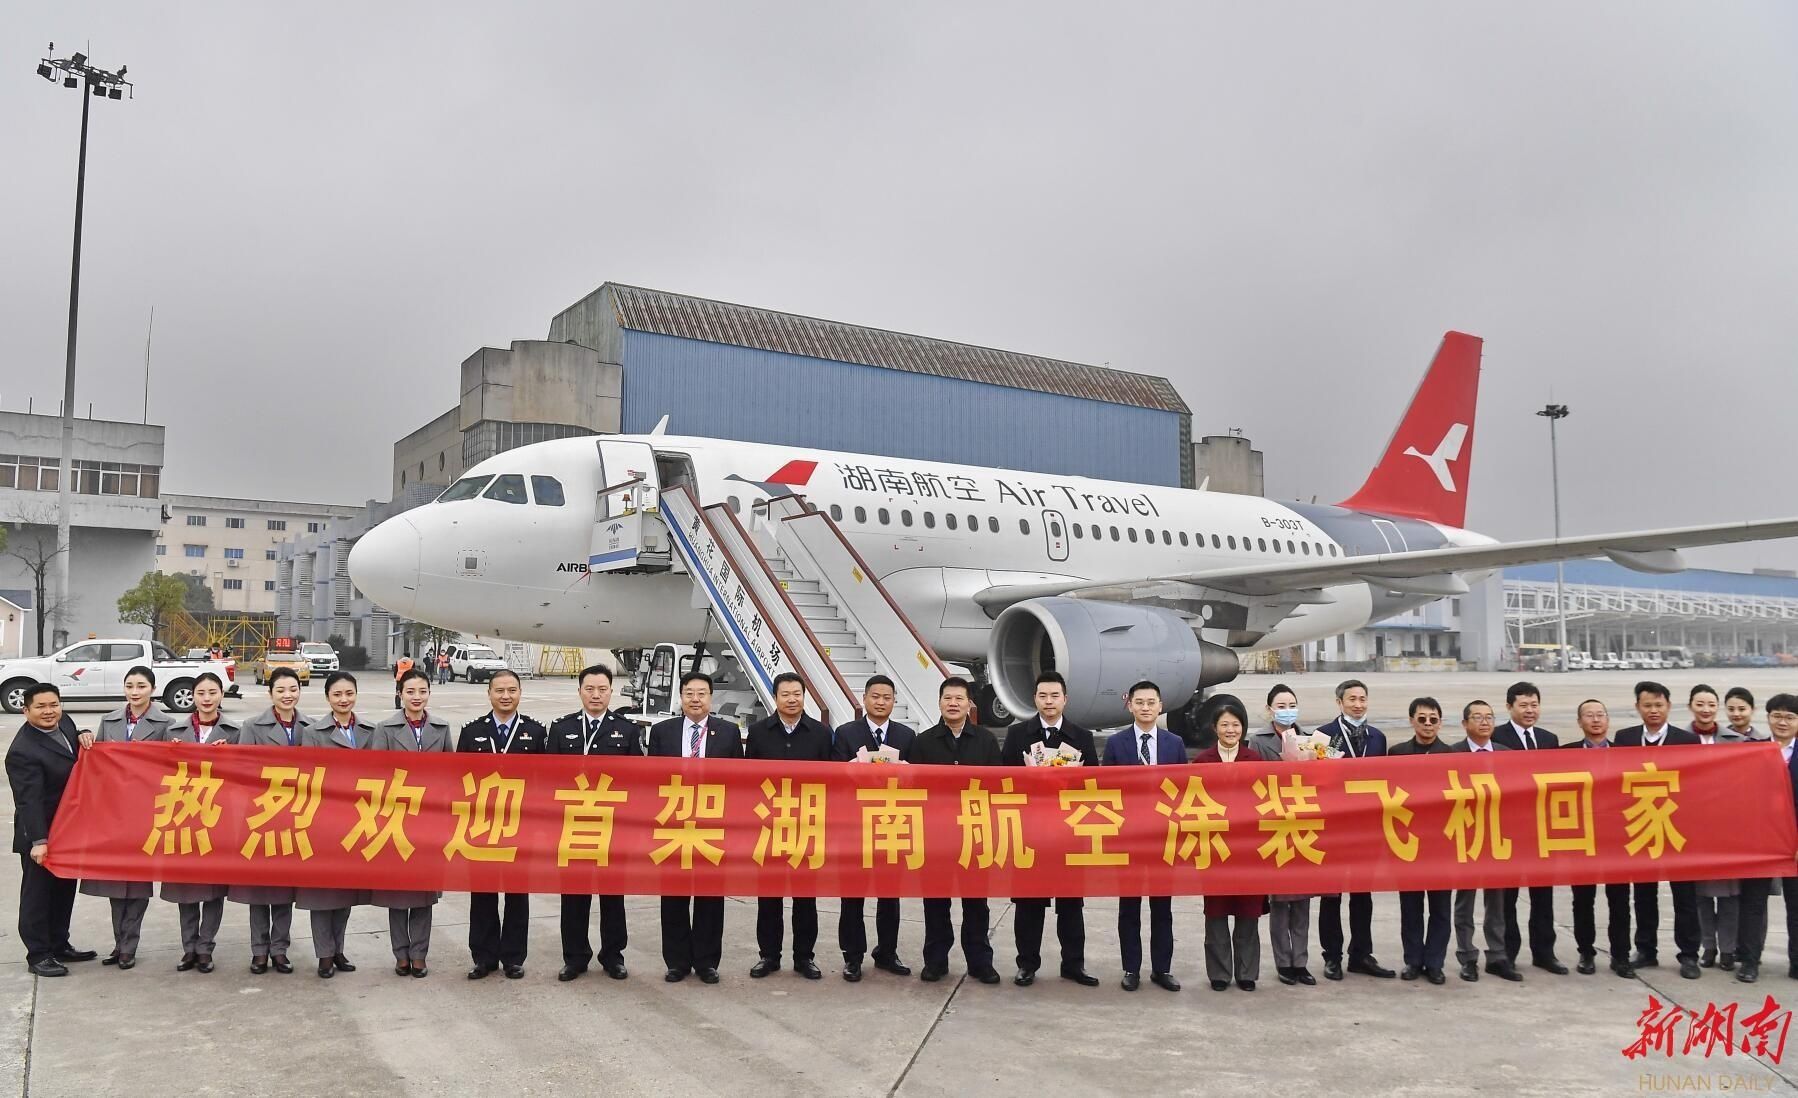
{"x": 1006, "y": 571}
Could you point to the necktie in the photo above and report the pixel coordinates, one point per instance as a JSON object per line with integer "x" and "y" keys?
{"x": 501, "y": 737}
{"x": 879, "y": 735}
{"x": 592, "y": 732}
{"x": 1144, "y": 750}
{"x": 693, "y": 742}
{"x": 1529, "y": 739}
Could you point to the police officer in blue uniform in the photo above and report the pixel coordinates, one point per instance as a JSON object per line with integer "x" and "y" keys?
{"x": 594, "y": 730}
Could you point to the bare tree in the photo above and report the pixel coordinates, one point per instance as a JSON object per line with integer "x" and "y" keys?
{"x": 32, "y": 542}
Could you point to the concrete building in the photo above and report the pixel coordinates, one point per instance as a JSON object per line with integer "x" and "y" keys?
{"x": 314, "y": 598}
{"x": 117, "y": 509}
{"x": 233, "y": 544}
{"x": 17, "y": 634}
{"x": 1228, "y": 463}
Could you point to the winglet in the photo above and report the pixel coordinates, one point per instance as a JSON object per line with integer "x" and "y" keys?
{"x": 661, "y": 427}
{"x": 1424, "y": 471}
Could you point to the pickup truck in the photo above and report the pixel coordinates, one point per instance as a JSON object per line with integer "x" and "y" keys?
{"x": 473, "y": 662}
{"x": 94, "y": 671}
{"x": 321, "y": 657}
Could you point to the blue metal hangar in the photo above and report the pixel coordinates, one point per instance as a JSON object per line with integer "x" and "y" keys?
{"x": 720, "y": 370}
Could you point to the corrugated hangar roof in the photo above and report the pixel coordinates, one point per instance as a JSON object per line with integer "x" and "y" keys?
{"x": 655, "y": 311}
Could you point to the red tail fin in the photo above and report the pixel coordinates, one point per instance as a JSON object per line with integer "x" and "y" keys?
{"x": 1425, "y": 469}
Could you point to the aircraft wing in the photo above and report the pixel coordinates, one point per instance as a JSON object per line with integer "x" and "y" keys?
{"x": 1422, "y": 572}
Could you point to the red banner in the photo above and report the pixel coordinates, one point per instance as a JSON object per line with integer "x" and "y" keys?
{"x": 595, "y": 824}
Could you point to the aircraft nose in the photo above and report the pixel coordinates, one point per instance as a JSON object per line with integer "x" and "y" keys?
{"x": 384, "y": 564}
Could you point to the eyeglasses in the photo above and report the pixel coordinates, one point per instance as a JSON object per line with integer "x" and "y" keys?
{"x": 1427, "y": 720}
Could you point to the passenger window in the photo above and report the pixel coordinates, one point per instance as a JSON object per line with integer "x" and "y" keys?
{"x": 1305, "y": 546}
{"x": 836, "y": 513}
{"x": 1215, "y": 544}
{"x": 973, "y": 524}
{"x": 1024, "y": 526}
{"x": 1132, "y": 532}
{"x": 1291, "y": 548}
{"x": 992, "y": 524}
{"x": 1114, "y": 534}
{"x": 1232, "y": 541}
{"x": 861, "y": 515}
{"x": 905, "y": 517}
{"x": 508, "y": 488}
{"x": 1261, "y": 543}
{"x": 885, "y": 518}
{"x": 1276, "y": 545}
{"x": 1332, "y": 550}
{"x": 929, "y": 520}
{"x": 1182, "y": 539}
{"x": 1167, "y": 538}
{"x": 1097, "y": 536}
{"x": 949, "y": 520}
{"x": 547, "y": 491}
{"x": 1054, "y": 529}
{"x": 1079, "y": 531}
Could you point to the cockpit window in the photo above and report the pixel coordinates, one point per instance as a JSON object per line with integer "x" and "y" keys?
{"x": 547, "y": 491}
{"x": 466, "y": 488}
{"x": 507, "y": 488}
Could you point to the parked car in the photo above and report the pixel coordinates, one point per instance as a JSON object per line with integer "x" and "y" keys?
{"x": 283, "y": 657}
{"x": 321, "y": 657}
{"x": 94, "y": 671}
{"x": 473, "y": 662}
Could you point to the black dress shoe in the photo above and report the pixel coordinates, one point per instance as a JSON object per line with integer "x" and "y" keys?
{"x": 1624, "y": 969}
{"x": 127, "y": 961}
{"x": 203, "y": 962}
{"x": 1688, "y": 969}
{"x": 342, "y": 963}
{"x": 111, "y": 958}
{"x": 986, "y": 976}
{"x": 480, "y": 971}
{"x": 1411, "y": 972}
{"x": 1332, "y": 970}
{"x": 809, "y": 969}
{"x": 1645, "y": 960}
{"x": 1792, "y": 972}
{"x": 1726, "y": 962}
{"x": 1586, "y": 966}
{"x": 514, "y": 972}
{"x": 1132, "y": 981}
{"x": 893, "y": 965}
{"x": 1470, "y": 971}
{"x": 1550, "y": 964}
{"x": 932, "y": 975}
{"x": 569, "y": 972}
{"x": 69, "y": 955}
{"x": 852, "y": 971}
{"x": 616, "y": 970}
{"x": 49, "y": 966}
{"x": 1367, "y": 966}
{"x": 1748, "y": 972}
{"x": 1286, "y": 976}
{"x": 258, "y": 965}
{"x": 186, "y": 962}
{"x": 1025, "y": 977}
{"x": 1246, "y": 985}
{"x": 763, "y": 967}
{"x": 1709, "y": 960}
{"x": 1434, "y": 976}
{"x": 1504, "y": 970}
{"x": 402, "y": 968}
{"x": 326, "y": 969}
{"x": 708, "y": 975}
{"x": 1080, "y": 976}
{"x": 1165, "y": 981}
{"x": 419, "y": 971}
{"x": 280, "y": 963}
{"x": 1303, "y": 976}
{"x": 675, "y": 975}
{"x": 1220, "y": 985}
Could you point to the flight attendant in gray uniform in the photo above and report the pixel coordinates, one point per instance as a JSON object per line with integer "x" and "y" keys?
{"x": 201, "y": 906}
{"x": 271, "y": 906}
{"x": 330, "y": 907}
{"x": 411, "y": 729}
{"x": 139, "y": 722}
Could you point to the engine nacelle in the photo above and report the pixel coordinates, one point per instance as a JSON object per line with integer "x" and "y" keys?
{"x": 1101, "y": 648}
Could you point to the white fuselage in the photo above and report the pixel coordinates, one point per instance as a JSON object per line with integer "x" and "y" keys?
{"x": 935, "y": 533}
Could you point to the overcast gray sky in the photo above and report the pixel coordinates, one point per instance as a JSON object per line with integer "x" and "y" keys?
{"x": 1280, "y": 207}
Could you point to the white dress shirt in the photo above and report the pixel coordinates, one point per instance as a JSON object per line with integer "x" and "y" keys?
{"x": 687, "y": 749}
{"x": 1153, "y": 747}
{"x": 1473, "y": 746}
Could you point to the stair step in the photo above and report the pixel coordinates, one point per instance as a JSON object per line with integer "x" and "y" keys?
{"x": 846, "y": 653}
{"x": 852, "y": 669}
{"x": 828, "y": 622}
{"x": 798, "y": 586}
{"x": 802, "y": 599}
{"x": 834, "y": 638}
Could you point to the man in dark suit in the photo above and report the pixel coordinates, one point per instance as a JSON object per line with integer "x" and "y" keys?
{"x": 1146, "y": 744}
{"x": 789, "y": 735}
{"x": 1476, "y": 722}
{"x": 693, "y": 927}
{"x": 1595, "y": 727}
{"x": 1351, "y": 737}
{"x": 1751, "y": 938}
{"x": 594, "y": 730}
{"x": 1051, "y": 729}
{"x": 493, "y": 941}
{"x": 874, "y": 731}
{"x": 1521, "y": 733}
{"x": 953, "y": 741}
{"x": 38, "y": 766}
{"x": 1426, "y": 944}
{"x": 1653, "y": 705}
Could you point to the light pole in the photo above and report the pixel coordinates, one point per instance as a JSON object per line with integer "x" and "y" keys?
{"x": 1554, "y": 413}
{"x": 75, "y": 73}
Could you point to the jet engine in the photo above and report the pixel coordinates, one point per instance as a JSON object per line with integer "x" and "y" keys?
{"x": 1101, "y": 648}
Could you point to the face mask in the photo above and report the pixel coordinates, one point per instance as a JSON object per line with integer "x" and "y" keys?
{"x": 1286, "y": 718}
{"x": 1353, "y": 722}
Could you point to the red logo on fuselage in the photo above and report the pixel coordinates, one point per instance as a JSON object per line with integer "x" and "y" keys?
{"x": 795, "y": 474}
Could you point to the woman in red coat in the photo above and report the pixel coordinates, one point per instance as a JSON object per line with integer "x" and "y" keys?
{"x": 1231, "y": 952}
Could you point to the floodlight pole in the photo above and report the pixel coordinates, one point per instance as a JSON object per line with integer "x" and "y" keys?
{"x": 1554, "y": 413}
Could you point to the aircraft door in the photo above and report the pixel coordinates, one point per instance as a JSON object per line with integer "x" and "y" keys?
{"x": 1395, "y": 539}
{"x": 1055, "y": 531}
{"x": 628, "y": 491}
